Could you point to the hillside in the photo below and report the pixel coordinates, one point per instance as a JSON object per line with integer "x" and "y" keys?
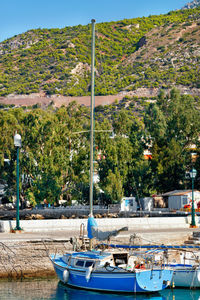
{"x": 151, "y": 52}
{"x": 192, "y": 4}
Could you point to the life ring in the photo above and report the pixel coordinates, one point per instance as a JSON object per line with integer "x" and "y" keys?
{"x": 65, "y": 276}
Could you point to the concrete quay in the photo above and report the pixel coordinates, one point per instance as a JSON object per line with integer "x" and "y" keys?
{"x": 164, "y": 230}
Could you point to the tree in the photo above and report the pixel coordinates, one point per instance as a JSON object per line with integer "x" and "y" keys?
{"x": 177, "y": 119}
{"x": 10, "y": 122}
{"x": 114, "y": 186}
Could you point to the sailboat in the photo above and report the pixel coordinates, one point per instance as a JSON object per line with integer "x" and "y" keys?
{"x": 184, "y": 259}
{"x": 186, "y": 267}
{"x": 107, "y": 271}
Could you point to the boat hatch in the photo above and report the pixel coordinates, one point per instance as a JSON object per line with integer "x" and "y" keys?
{"x": 120, "y": 258}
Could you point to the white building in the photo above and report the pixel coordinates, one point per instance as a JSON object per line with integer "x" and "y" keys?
{"x": 128, "y": 204}
{"x": 179, "y": 198}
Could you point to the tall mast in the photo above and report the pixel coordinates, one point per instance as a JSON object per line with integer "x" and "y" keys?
{"x": 92, "y": 119}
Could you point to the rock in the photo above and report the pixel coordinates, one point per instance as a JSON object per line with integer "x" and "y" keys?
{"x": 85, "y": 217}
{"x": 71, "y": 45}
{"x": 9, "y": 206}
{"x": 142, "y": 42}
{"x": 110, "y": 215}
{"x": 98, "y": 216}
{"x": 28, "y": 217}
{"x": 37, "y": 217}
{"x": 63, "y": 217}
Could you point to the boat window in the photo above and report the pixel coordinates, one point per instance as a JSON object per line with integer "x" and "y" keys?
{"x": 88, "y": 263}
{"x": 80, "y": 263}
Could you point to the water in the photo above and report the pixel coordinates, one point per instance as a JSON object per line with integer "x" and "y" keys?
{"x": 52, "y": 290}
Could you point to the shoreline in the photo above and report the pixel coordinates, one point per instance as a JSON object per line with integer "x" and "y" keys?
{"x": 26, "y": 260}
{"x": 25, "y": 255}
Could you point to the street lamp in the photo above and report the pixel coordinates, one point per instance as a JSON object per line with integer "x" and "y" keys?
{"x": 18, "y": 144}
{"x": 193, "y": 174}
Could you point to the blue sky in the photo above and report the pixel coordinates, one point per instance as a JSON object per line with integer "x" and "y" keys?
{"x": 18, "y": 16}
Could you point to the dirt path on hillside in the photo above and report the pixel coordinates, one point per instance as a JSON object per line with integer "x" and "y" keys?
{"x": 58, "y": 100}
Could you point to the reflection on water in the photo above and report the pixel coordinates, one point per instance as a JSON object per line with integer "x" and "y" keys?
{"x": 66, "y": 293}
{"x": 52, "y": 290}
{"x": 181, "y": 294}
{"x": 28, "y": 289}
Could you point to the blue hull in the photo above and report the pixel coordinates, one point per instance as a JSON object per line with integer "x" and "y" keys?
{"x": 141, "y": 281}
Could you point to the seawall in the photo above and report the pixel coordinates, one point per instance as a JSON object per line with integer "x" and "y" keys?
{"x": 103, "y": 224}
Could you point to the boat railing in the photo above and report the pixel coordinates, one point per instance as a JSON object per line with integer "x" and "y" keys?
{"x": 84, "y": 240}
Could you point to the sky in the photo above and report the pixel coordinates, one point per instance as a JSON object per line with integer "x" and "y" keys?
{"x": 18, "y": 16}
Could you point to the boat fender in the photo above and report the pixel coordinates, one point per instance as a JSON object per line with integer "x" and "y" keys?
{"x": 65, "y": 276}
{"x": 88, "y": 273}
{"x": 198, "y": 275}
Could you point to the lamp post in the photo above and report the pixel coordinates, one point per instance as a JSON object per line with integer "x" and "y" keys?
{"x": 193, "y": 174}
{"x": 18, "y": 144}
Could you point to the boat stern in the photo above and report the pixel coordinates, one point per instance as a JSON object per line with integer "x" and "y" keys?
{"x": 153, "y": 280}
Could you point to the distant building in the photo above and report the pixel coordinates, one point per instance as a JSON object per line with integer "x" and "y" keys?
{"x": 158, "y": 201}
{"x": 179, "y": 198}
{"x": 146, "y": 203}
{"x": 128, "y": 204}
{"x": 147, "y": 154}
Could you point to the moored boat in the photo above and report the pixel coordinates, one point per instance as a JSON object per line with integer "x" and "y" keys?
{"x": 186, "y": 276}
{"x": 110, "y": 272}
{"x": 184, "y": 260}
{"x": 187, "y": 270}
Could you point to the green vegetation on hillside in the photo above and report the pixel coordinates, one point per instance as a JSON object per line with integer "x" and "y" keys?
{"x": 57, "y": 61}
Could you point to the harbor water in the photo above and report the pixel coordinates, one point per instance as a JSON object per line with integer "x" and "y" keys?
{"x": 53, "y": 290}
